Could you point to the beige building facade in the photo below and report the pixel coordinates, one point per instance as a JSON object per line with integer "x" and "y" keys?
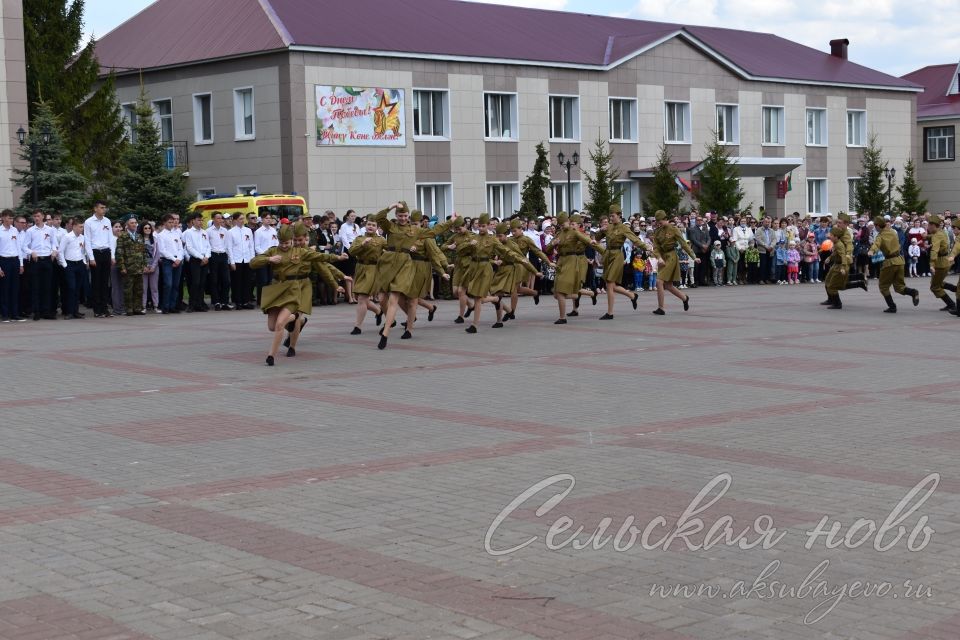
{"x": 13, "y": 97}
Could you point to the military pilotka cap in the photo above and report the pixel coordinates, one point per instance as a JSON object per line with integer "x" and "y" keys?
{"x": 484, "y": 218}
{"x": 660, "y": 215}
{"x": 515, "y": 224}
{"x": 576, "y": 218}
{"x": 615, "y": 208}
{"x": 935, "y": 219}
{"x": 879, "y": 221}
{"x": 285, "y": 234}
{"x": 372, "y": 218}
{"x": 561, "y": 217}
{"x": 843, "y": 217}
{"x": 416, "y": 215}
{"x": 836, "y": 232}
{"x": 402, "y": 207}
{"x": 300, "y": 230}
{"x": 502, "y": 228}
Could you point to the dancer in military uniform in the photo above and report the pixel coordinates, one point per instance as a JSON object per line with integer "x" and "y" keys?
{"x": 836, "y": 278}
{"x": 571, "y": 245}
{"x": 950, "y": 260}
{"x": 366, "y": 250}
{"x": 665, "y": 240}
{"x": 939, "y": 254}
{"x": 891, "y": 272}
{"x": 524, "y": 246}
{"x": 460, "y": 265}
{"x": 131, "y": 258}
{"x": 616, "y": 234}
{"x": 426, "y": 255}
{"x": 509, "y": 271}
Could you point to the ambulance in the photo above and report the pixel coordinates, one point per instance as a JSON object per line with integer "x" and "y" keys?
{"x": 292, "y": 207}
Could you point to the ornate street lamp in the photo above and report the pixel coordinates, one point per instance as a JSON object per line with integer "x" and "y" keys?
{"x": 891, "y": 173}
{"x": 34, "y": 145}
{"x": 566, "y": 163}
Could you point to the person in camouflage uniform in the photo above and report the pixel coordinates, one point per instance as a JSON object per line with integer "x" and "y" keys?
{"x": 131, "y": 257}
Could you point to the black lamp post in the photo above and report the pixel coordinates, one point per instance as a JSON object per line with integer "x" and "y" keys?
{"x": 34, "y": 147}
{"x": 891, "y": 173}
{"x": 566, "y": 164}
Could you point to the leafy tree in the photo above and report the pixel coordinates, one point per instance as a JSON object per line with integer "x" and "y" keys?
{"x": 145, "y": 185}
{"x": 60, "y": 187}
{"x": 65, "y": 75}
{"x": 533, "y": 202}
{"x": 663, "y": 193}
{"x": 909, "y": 191}
{"x": 602, "y": 185}
{"x": 872, "y": 187}
{"x": 719, "y": 181}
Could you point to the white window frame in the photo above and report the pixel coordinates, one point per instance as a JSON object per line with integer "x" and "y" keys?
{"x": 951, "y": 142}
{"x": 247, "y": 189}
{"x": 445, "y": 116}
{"x": 206, "y": 192}
{"x": 862, "y": 128}
{"x": 630, "y": 202}
{"x": 128, "y": 112}
{"x": 852, "y": 181}
{"x": 158, "y": 119}
{"x": 632, "y": 120}
{"x": 687, "y": 122}
{"x": 574, "y": 117}
{"x": 503, "y": 209}
{"x": 239, "y": 130}
{"x": 514, "y": 116}
{"x": 576, "y": 195}
{"x": 781, "y": 129}
{"x": 198, "y": 138}
{"x": 824, "y": 204}
{"x": 824, "y": 127}
{"x": 735, "y": 124}
{"x": 447, "y": 190}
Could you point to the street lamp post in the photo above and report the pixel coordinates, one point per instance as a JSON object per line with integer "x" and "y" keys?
{"x": 34, "y": 148}
{"x": 891, "y": 173}
{"x": 566, "y": 163}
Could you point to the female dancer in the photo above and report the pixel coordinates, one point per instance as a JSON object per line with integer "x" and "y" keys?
{"x": 572, "y": 264}
{"x": 665, "y": 240}
{"x": 616, "y": 232}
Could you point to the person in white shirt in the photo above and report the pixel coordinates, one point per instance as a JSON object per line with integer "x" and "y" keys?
{"x": 220, "y": 262}
{"x": 100, "y": 256}
{"x": 58, "y": 286}
{"x": 197, "y": 244}
{"x": 742, "y": 235}
{"x": 171, "y": 263}
{"x": 11, "y": 268}
{"x": 41, "y": 246}
{"x": 73, "y": 260}
{"x": 349, "y": 231}
{"x": 240, "y": 253}
{"x": 264, "y": 238}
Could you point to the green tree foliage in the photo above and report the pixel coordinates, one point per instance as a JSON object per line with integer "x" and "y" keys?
{"x": 719, "y": 181}
{"x": 602, "y": 185}
{"x": 60, "y": 187}
{"x": 908, "y": 193}
{"x": 872, "y": 187}
{"x": 145, "y": 186}
{"x": 533, "y": 201}
{"x": 65, "y": 75}
{"x": 664, "y": 192}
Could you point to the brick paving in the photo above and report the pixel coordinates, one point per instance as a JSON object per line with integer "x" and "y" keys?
{"x": 158, "y": 482}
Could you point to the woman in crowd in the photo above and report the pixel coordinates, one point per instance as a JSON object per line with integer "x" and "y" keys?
{"x": 116, "y": 279}
{"x": 151, "y": 271}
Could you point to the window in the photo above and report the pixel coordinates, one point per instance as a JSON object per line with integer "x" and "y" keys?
{"x": 558, "y": 197}
{"x": 430, "y": 114}
{"x": 502, "y": 199}
{"x": 856, "y": 128}
{"x": 501, "y": 116}
{"x": 209, "y": 192}
{"x": 129, "y": 114}
{"x": 816, "y": 195}
{"x": 564, "y": 118}
{"x": 773, "y": 132}
{"x": 163, "y": 115}
{"x": 629, "y": 200}
{"x": 243, "y": 120}
{"x": 677, "y": 127}
{"x": 816, "y": 127}
{"x": 435, "y": 200}
{"x": 246, "y": 189}
{"x": 202, "y": 118}
{"x": 938, "y": 143}
{"x": 728, "y": 124}
{"x": 623, "y": 118}
{"x": 853, "y": 202}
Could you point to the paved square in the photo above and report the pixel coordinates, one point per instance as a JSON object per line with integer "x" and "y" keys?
{"x": 158, "y": 482}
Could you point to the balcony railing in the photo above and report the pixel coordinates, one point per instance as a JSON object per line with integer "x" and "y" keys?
{"x": 176, "y": 156}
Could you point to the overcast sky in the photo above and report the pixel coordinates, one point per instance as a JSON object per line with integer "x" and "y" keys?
{"x": 893, "y": 36}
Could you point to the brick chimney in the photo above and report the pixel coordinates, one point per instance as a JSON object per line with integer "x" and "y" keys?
{"x": 838, "y": 48}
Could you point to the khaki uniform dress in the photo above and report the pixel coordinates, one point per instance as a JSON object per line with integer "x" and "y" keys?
{"x": 395, "y": 269}
{"x": 665, "y": 240}
{"x": 571, "y": 246}
{"x": 891, "y": 271}
{"x": 462, "y": 262}
{"x": 613, "y": 259}
{"x": 524, "y": 245}
{"x": 506, "y": 274}
{"x": 939, "y": 252}
{"x": 835, "y": 282}
{"x": 366, "y": 250}
{"x": 426, "y": 256}
{"x": 478, "y": 279}
{"x": 290, "y": 288}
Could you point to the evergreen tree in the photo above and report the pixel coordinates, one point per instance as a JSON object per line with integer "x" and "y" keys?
{"x": 602, "y": 185}
{"x": 664, "y": 193}
{"x": 719, "y": 181}
{"x": 908, "y": 192}
{"x": 60, "y": 187}
{"x": 533, "y": 202}
{"x": 872, "y": 187}
{"x": 65, "y": 75}
{"x": 145, "y": 186}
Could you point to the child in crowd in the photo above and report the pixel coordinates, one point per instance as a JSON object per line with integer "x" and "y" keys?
{"x": 751, "y": 258}
{"x": 811, "y": 258}
{"x": 733, "y": 261}
{"x": 686, "y": 272}
{"x": 650, "y": 270}
{"x": 719, "y": 261}
{"x": 780, "y": 256}
{"x": 914, "y": 252}
{"x": 639, "y": 265}
{"x": 793, "y": 263}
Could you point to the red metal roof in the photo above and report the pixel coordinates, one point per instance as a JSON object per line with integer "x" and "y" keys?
{"x": 936, "y": 81}
{"x": 178, "y": 31}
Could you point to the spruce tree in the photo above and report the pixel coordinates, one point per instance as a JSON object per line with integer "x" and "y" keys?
{"x": 533, "y": 201}
{"x": 663, "y": 193}
{"x": 65, "y": 75}
{"x": 719, "y": 181}
{"x": 908, "y": 200}
{"x": 872, "y": 187}
{"x": 602, "y": 185}
{"x": 145, "y": 186}
{"x": 60, "y": 187}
